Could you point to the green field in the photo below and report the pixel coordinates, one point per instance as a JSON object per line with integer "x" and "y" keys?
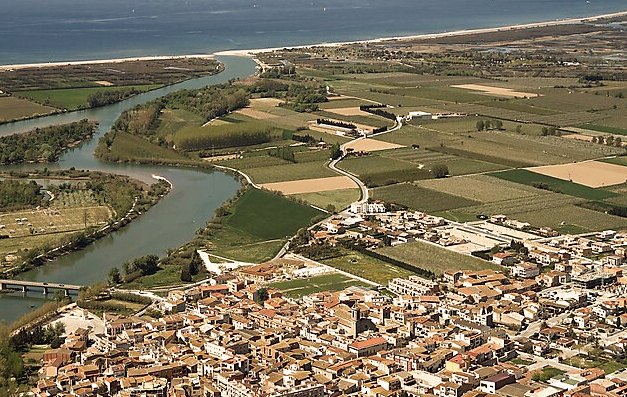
{"x": 288, "y": 172}
{"x": 269, "y": 216}
{"x": 16, "y": 108}
{"x": 127, "y": 147}
{"x": 430, "y": 257}
{"x": 526, "y": 177}
{"x": 74, "y": 98}
{"x": 419, "y": 198}
{"x": 604, "y": 128}
{"x": 307, "y": 286}
{"x": 340, "y": 199}
{"x": 367, "y": 267}
{"x": 622, "y": 160}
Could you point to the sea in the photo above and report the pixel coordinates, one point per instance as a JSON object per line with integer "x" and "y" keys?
{"x": 59, "y": 30}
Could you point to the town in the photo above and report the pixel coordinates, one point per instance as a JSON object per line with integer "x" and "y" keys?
{"x": 552, "y": 322}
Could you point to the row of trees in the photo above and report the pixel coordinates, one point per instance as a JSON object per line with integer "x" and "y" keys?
{"x": 609, "y": 140}
{"x": 230, "y": 137}
{"x": 107, "y": 97}
{"x": 43, "y": 144}
{"x": 484, "y": 125}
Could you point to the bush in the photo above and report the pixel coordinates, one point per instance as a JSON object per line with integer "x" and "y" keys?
{"x": 439, "y": 171}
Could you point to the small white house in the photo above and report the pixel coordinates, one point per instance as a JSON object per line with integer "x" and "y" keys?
{"x": 419, "y": 115}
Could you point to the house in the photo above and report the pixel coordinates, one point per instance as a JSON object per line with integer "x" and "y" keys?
{"x": 525, "y": 270}
{"x": 495, "y": 382}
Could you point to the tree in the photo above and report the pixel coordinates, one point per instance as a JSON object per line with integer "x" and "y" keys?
{"x": 518, "y": 129}
{"x": 544, "y": 131}
{"x": 480, "y": 125}
{"x": 594, "y": 140}
{"x": 498, "y": 124}
{"x": 439, "y": 171}
{"x": 11, "y": 365}
{"x": 114, "y": 276}
{"x": 186, "y": 275}
{"x": 195, "y": 263}
{"x": 609, "y": 141}
{"x": 261, "y": 295}
{"x": 336, "y": 151}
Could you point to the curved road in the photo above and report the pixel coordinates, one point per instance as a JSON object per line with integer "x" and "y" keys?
{"x": 333, "y": 164}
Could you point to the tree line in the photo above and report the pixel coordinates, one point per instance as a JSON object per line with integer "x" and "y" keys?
{"x": 108, "y": 97}
{"x": 43, "y": 145}
{"x": 16, "y": 194}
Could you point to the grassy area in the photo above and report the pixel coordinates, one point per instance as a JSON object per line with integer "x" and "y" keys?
{"x": 127, "y": 147}
{"x": 269, "y": 216}
{"x": 530, "y": 178}
{"x": 520, "y": 361}
{"x": 74, "y": 98}
{"x": 419, "y": 198}
{"x": 168, "y": 276}
{"x": 367, "y": 267}
{"x": 340, "y": 199}
{"x": 430, "y": 257}
{"x": 16, "y": 108}
{"x": 172, "y": 120}
{"x": 547, "y": 373}
{"x": 328, "y": 282}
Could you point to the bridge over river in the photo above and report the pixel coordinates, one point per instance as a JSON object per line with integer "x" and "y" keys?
{"x": 45, "y": 287}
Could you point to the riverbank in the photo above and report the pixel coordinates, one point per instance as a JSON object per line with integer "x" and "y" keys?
{"x": 426, "y": 36}
{"x": 143, "y": 197}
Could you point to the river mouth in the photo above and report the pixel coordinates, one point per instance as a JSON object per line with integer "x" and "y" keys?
{"x": 195, "y": 195}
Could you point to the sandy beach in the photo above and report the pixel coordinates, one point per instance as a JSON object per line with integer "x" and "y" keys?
{"x": 100, "y": 61}
{"x": 557, "y": 22}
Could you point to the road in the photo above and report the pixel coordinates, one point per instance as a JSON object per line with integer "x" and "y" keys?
{"x": 333, "y": 164}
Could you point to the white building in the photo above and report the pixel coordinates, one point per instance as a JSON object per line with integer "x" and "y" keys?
{"x": 367, "y": 208}
{"x": 419, "y": 115}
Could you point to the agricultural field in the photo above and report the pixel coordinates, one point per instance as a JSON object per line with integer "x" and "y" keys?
{"x": 312, "y": 185}
{"x": 530, "y": 178}
{"x": 12, "y": 108}
{"x": 339, "y": 199}
{"x": 426, "y": 159}
{"x": 375, "y": 170}
{"x": 288, "y": 172}
{"x": 256, "y": 213}
{"x": 603, "y": 128}
{"x": 570, "y": 218}
{"x": 593, "y": 174}
{"x": 329, "y": 282}
{"x": 481, "y": 188}
{"x": 253, "y": 231}
{"x": 362, "y": 265}
{"x": 419, "y": 198}
{"x": 433, "y": 258}
{"x": 74, "y": 98}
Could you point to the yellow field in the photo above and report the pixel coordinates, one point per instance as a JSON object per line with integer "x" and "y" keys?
{"x": 16, "y": 108}
{"x": 311, "y": 185}
{"x": 371, "y": 145}
{"x": 496, "y": 91}
{"x": 588, "y": 173}
{"x": 255, "y": 114}
{"x": 352, "y": 111}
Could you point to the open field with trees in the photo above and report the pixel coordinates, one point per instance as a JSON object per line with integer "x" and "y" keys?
{"x": 76, "y": 210}
{"x": 339, "y": 199}
{"x": 433, "y": 258}
{"x": 328, "y": 282}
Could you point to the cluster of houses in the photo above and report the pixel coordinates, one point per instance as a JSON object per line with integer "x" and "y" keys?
{"x": 468, "y": 333}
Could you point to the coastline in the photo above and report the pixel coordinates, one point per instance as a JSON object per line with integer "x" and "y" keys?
{"x": 251, "y": 52}
{"x": 426, "y": 36}
{"x": 100, "y": 61}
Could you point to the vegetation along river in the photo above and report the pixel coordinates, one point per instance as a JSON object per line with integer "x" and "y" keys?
{"x": 173, "y": 221}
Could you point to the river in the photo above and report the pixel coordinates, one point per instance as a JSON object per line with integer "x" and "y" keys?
{"x": 195, "y": 196}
